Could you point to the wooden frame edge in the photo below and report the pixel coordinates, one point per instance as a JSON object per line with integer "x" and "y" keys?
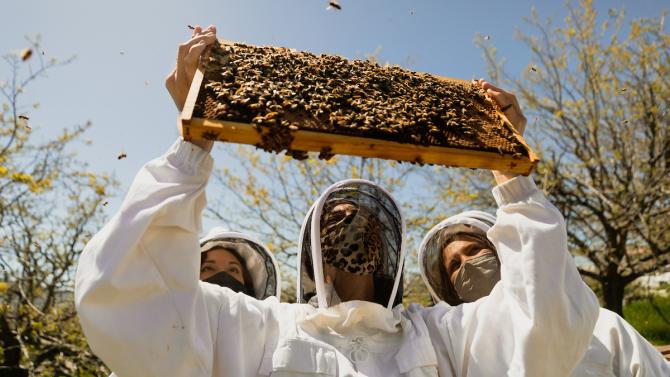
{"x": 531, "y": 154}
{"x": 193, "y": 91}
{"x": 311, "y": 141}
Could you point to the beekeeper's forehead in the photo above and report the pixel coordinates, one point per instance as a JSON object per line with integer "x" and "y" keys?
{"x": 367, "y": 196}
{"x": 373, "y": 202}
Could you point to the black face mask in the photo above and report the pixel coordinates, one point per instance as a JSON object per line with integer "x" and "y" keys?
{"x": 224, "y": 279}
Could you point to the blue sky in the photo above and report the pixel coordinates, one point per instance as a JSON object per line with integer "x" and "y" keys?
{"x": 125, "y": 49}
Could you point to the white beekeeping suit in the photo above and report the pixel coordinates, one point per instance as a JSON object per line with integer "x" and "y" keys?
{"x": 616, "y": 348}
{"x": 145, "y": 312}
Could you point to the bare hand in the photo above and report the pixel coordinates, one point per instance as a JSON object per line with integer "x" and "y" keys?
{"x": 178, "y": 82}
{"x": 507, "y": 102}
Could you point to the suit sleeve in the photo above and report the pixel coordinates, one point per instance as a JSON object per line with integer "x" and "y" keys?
{"x": 138, "y": 295}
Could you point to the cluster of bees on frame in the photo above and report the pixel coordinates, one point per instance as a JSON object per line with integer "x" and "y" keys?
{"x": 287, "y": 90}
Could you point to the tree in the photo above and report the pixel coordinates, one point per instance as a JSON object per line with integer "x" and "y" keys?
{"x": 268, "y": 195}
{"x": 49, "y": 204}
{"x": 600, "y": 94}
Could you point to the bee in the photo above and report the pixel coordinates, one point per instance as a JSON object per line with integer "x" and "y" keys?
{"x": 334, "y": 4}
{"x": 105, "y": 203}
{"x": 191, "y": 27}
{"x": 122, "y": 155}
{"x": 210, "y": 135}
{"x": 25, "y": 120}
{"x": 26, "y": 54}
{"x": 532, "y": 68}
{"x": 326, "y": 153}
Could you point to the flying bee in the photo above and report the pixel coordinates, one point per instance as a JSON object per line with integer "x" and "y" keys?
{"x": 26, "y": 54}
{"x": 334, "y": 4}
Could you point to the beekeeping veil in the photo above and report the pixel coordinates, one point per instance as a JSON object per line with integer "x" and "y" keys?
{"x": 366, "y": 236}
{"x": 476, "y": 223}
{"x": 258, "y": 260}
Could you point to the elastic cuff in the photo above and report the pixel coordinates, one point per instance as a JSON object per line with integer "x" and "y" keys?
{"x": 515, "y": 190}
{"x": 189, "y": 157}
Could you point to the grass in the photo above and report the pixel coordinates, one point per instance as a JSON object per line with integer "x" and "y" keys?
{"x": 651, "y": 317}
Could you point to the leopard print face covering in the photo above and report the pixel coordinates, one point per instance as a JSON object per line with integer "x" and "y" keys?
{"x": 351, "y": 238}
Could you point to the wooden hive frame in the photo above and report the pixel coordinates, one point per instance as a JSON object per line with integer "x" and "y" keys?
{"x": 193, "y": 128}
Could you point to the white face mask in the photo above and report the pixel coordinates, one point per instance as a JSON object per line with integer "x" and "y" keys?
{"x": 477, "y": 277}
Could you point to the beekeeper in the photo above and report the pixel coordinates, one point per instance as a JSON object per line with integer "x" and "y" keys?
{"x": 145, "y": 312}
{"x": 460, "y": 264}
{"x": 237, "y": 261}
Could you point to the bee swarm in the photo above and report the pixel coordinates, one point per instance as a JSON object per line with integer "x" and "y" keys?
{"x": 286, "y": 91}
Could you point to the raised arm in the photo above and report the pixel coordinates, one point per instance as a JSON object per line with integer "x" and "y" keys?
{"x": 178, "y": 82}
{"x": 539, "y": 319}
{"x": 552, "y": 309}
{"x": 140, "y": 302}
{"x": 137, "y": 280}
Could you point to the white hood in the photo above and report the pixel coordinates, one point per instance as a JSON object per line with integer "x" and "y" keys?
{"x": 259, "y": 261}
{"x": 429, "y": 255}
{"x": 388, "y": 280}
